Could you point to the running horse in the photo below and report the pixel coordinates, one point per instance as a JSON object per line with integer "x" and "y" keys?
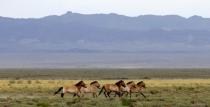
{"x": 130, "y": 85}
{"x": 74, "y": 89}
{"x": 139, "y": 87}
{"x": 92, "y": 88}
{"x": 108, "y": 88}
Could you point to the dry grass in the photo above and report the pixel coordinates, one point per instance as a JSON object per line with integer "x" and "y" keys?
{"x": 160, "y": 93}
{"x": 165, "y": 88}
{"x": 12, "y": 85}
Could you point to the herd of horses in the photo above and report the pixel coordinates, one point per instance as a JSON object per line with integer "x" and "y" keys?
{"x": 119, "y": 89}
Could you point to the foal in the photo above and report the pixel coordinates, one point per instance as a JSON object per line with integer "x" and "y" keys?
{"x": 92, "y": 88}
{"x": 108, "y": 88}
{"x": 74, "y": 89}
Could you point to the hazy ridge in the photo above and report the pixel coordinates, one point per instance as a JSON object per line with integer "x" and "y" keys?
{"x": 73, "y": 32}
{"x": 115, "y": 41}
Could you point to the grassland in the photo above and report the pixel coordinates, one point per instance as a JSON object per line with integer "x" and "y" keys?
{"x": 165, "y": 87}
{"x": 105, "y": 74}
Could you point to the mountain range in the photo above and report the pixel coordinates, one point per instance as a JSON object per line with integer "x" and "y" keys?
{"x": 102, "y": 33}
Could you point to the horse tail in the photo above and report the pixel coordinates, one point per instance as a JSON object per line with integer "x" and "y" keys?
{"x": 58, "y": 90}
{"x": 101, "y": 90}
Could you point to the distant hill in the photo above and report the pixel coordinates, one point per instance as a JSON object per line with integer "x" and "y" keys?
{"x": 73, "y": 32}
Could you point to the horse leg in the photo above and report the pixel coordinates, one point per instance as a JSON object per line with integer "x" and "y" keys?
{"x": 74, "y": 95}
{"x": 118, "y": 94}
{"x": 82, "y": 94}
{"x": 77, "y": 94}
{"x": 137, "y": 95}
{"x": 62, "y": 95}
{"x": 115, "y": 94}
{"x": 130, "y": 94}
{"x": 94, "y": 95}
{"x": 142, "y": 94}
{"x": 122, "y": 93}
{"x": 108, "y": 93}
{"x": 105, "y": 94}
{"x": 127, "y": 94}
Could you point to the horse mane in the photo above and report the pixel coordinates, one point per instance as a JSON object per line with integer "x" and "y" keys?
{"x": 93, "y": 82}
{"x": 79, "y": 83}
{"x": 117, "y": 83}
{"x": 140, "y": 82}
{"x": 129, "y": 82}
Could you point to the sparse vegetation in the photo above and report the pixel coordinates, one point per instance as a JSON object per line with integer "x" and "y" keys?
{"x": 104, "y": 74}
{"x": 165, "y": 92}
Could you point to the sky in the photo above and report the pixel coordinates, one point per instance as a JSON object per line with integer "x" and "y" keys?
{"x": 41, "y": 8}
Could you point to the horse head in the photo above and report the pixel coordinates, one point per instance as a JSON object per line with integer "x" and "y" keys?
{"x": 95, "y": 83}
{"x": 141, "y": 84}
{"x": 81, "y": 84}
{"x": 120, "y": 83}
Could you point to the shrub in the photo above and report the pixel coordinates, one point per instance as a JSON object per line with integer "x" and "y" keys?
{"x": 12, "y": 81}
{"x": 19, "y": 82}
{"x": 38, "y": 82}
{"x": 29, "y": 81}
{"x": 146, "y": 77}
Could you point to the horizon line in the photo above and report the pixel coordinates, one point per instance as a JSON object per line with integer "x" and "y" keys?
{"x": 110, "y": 13}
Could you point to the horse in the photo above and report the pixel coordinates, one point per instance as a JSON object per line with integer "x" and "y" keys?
{"x": 74, "y": 89}
{"x": 108, "y": 88}
{"x": 138, "y": 88}
{"x": 128, "y": 87}
{"x": 92, "y": 88}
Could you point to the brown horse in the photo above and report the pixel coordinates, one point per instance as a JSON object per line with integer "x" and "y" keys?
{"x": 130, "y": 85}
{"x": 139, "y": 87}
{"x": 108, "y": 88}
{"x": 74, "y": 89}
{"x": 92, "y": 88}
